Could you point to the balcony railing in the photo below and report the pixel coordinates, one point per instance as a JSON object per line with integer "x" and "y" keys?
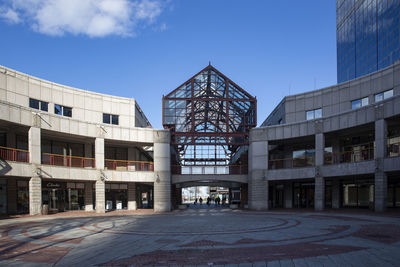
{"x": 13, "y": 154}
{"x": 393, "y": 150}
{"x": 207, "y": 169}
{"x": 288, "y": 163}
{"x": 67, "y": 161}
{"x": 349, "y": 156}
{"x": 126, "y": 165}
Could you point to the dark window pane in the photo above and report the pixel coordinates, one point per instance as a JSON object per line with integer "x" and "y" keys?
{"x": 33, "y": 103}
{"x": 115, "y": 119}
{"x": 44, "y": 106}
{"x": 57, "y": 109}
{"x": 67, "y": 112}
{"x": 106, "y": 118}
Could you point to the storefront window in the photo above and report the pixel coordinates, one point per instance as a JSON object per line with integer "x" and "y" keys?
{"x": 358, "y": 193}
{"x": 116, "y": 196}
{"x": 61, "y": 196}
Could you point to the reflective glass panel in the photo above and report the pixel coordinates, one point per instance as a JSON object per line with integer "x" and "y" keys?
{"x": 318, "y": 113}
{"x": 310, "y": 115}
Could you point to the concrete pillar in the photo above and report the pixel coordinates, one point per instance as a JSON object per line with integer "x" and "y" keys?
{"x": 288, "y": 195}
{"x": 99, "y": 153}
{"x": 100, "y": 196}
{"x": 132, "y": 205}
{"x": 380, "y": 175}
{"x": 35, "y": 195}
{"x": 258, "y": 181}
{"x": 335, "y": 194}
{"x": 12, "y": 195}
{"x": 162, "y": 171}
{"x": 88, "y": 197}
{"x": 319, "y": 191}
{"x": 34, "y": 145}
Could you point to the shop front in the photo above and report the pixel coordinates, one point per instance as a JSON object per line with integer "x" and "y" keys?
{"x": 358, "y": 193}
{"x": 303, "y": 195}
{"x": 116, "y": 196}
{"x": 63, "y": 196}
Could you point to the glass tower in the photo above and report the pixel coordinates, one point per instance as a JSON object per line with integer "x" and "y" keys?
{"x": 367, "y": 34}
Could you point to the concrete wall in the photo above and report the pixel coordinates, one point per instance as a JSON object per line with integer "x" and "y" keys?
{"x": 17, "y": 88}
{"x": 337, "y": 99}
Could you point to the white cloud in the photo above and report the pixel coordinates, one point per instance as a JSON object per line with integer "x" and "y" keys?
{"x": 95, "y": 18}
{"x": 9, "y": 15}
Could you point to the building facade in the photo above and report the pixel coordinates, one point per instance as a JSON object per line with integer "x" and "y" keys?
{"x": 63, "y": 148}
{"x": 368, "y": 36}
{"x": 334, "y": 147}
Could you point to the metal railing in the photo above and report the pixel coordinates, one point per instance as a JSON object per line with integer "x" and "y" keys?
{"x": 393, "y": 150}
{"x": 126, "y": 165}
{"x": 13, "y": 154}
{"x": 67, "y": 161}
{"x": 210, "y": 169}
{"x": 288, "y": 163}
{"x": 349, "y": 156}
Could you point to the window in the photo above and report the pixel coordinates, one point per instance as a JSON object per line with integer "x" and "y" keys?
{"x": 280, "y": 122}
{"x": 110, "y": 119}
{"x": 358, "y": 103}
{"x": 61, "y": 110}
{"x": 383, "y": 95}
{"x": 314, "y": 114}
{"x": 34, "y": 103}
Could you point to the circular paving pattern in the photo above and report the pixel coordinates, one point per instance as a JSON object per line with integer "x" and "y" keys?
{"x": 194, "y": 237}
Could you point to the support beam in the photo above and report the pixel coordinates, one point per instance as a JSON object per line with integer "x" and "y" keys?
{"x": 319, "y": 192}
{"x": 99, "y": 153}
{"x": 162, "y": 171}
{"x": 35, "y": 195}
{"x": 132, "y": 205}
{"x": 100, "y": 196}
{"x": 258, "y": 181}
{"x": 34, "y": 145}
{"x": 380, "y": 175}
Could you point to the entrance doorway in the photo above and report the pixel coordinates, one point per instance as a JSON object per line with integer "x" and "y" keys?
{"x": 304, "y": 195}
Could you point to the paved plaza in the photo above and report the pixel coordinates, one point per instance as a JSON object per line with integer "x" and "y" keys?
{"x": 207, "y": 236}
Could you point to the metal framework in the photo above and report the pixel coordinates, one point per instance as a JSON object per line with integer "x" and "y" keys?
{"x": 210, "y": 118}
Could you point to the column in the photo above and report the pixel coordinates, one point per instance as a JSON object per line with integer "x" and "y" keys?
{"x": 34, "y": 145}
{"x": 88, "y": 197}
{"x": 99, "y": 153}
{"x": 319, "y": 191}
{"x": 380, "y": 175}
{"x": 288, "y": 194}
{"x": 258, "y": 181}
{"x": 335, "y": 194}
{"x": 132, "y": 205}
{"x": 132, "y": 157}
{"x": 35, "y": 195}
{"x": 100, "y": 196}
{"x": 162, "y": 171}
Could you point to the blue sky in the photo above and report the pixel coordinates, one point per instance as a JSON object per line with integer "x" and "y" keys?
{"x": 146, "y": 48}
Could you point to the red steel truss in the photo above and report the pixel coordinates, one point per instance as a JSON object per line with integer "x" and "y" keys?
{"x": 210, "y": 118}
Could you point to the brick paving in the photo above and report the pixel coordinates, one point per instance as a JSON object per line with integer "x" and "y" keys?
{"x": 202, "y": 237}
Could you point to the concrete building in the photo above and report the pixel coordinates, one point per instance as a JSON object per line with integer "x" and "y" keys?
{"x": 64, "y": 148}
{"x": 333, "y": 147}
